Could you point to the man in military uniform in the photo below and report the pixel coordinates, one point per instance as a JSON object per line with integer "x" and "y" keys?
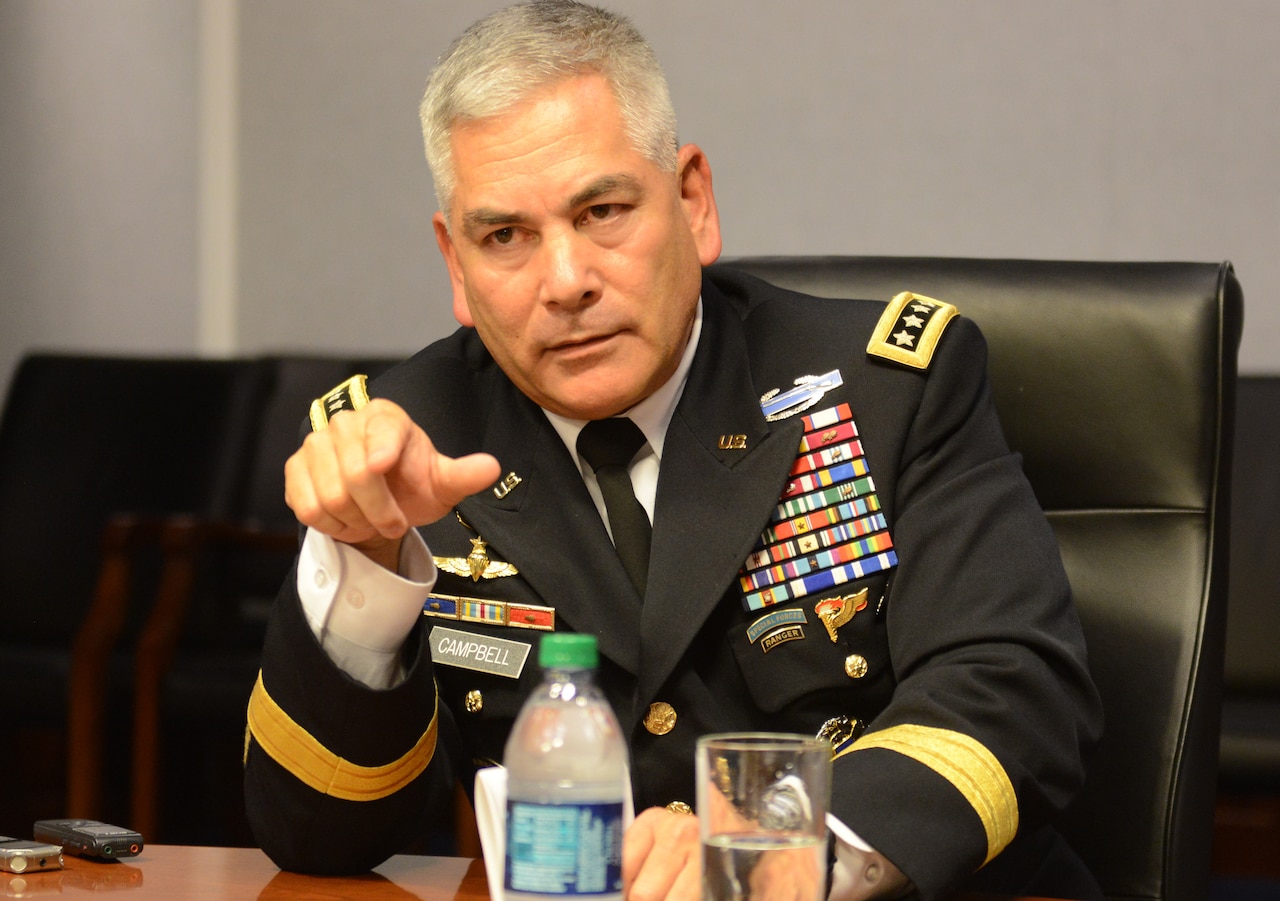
{"x": 842, "y": 543}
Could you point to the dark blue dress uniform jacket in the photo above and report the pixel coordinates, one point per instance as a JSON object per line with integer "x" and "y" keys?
{"x": 975, "y": 697}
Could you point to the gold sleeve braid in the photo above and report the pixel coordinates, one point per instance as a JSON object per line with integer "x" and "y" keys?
{"x": 302, "y": 754}
{"x": 966, "y": 764}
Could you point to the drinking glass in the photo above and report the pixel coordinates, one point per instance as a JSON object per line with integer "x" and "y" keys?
{"x": 762, "y": 810}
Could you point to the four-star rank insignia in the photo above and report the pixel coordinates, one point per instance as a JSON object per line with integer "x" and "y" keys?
{"x": 909, "y": 329}
{"x": 476, "y": 564}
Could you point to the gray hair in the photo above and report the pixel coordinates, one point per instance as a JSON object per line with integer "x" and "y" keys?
{"x": 507, "y": 56}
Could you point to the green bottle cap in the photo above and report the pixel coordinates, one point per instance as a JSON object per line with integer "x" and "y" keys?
{"x": 568, "y": 650}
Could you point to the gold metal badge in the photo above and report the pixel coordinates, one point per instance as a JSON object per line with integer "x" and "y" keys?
{"x": 680, "y": 807}
{"x": 661, "y": 718}
{"x": 835, "y": 612}
{"x": 474, "y": 701}
{"x": 503, "y": 488}
{"x": 476, "y": 564}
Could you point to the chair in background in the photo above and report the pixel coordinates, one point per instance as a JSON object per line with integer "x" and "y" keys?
{"x": 1116, "y": 382}
{"x": 198, "y": 652}
{"x": 1248, "y": 829}
{"x": 94, "y": 450}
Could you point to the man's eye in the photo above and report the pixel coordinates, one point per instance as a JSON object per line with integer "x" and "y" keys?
{"x": 600, "y": 212}
{"x": 502, "y": 236}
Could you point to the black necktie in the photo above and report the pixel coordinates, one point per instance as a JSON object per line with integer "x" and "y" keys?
{"x": 608, "y": 445}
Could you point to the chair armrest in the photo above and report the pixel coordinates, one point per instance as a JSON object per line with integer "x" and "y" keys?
{"x": 91, "y": 651}
{"x": 183, "y": 541}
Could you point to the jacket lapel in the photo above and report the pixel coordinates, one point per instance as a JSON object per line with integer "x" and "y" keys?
{"x": 548, "y": 527}
{"x": 723, "y": 469}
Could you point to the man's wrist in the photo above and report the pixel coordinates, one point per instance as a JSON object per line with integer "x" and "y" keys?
{"x": 383, "y": 551}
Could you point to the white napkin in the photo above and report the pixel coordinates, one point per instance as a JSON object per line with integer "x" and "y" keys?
{"x": 491, "y": 822}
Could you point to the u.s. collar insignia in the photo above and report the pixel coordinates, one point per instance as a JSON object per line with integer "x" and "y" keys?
{"x": 909, "y": 329}
{"x": 476, "y": 564}
{"x": 808, "y": 390}
{"x": 350, "y": 395}
{"x": 835, "y": 612}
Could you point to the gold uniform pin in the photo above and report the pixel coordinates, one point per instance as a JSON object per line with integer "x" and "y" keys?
{"x": 476, "y": 564}
{"x": 835, "y": 612}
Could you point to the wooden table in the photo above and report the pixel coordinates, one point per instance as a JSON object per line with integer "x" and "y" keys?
{"x": 182, "y": 873}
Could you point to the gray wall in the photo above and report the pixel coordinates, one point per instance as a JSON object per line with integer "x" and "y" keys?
{"x": 98, "y": 165}
{"x": 1101, "y": 129}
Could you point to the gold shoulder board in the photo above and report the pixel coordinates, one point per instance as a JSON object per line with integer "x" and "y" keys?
{"x": 350, "y": 395}
{"x": 909, "y": 330}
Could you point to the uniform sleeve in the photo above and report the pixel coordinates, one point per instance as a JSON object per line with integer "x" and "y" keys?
{"x": 994, "y": 709}
{"x": 338, "y": 776}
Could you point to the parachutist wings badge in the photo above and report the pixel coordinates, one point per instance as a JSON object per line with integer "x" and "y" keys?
{"x": 835, "y": 612}
{"x": 476, "y": 564}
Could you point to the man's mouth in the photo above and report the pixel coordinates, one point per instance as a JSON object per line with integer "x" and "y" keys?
{"x": 584, "y": 343}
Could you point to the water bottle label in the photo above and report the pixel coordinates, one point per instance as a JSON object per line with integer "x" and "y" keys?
{"x": 564, "y": 849}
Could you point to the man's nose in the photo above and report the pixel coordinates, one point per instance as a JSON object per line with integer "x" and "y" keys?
{"x": 571, "y": 276}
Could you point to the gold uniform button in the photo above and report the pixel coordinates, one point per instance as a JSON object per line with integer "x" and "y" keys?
{"x": 474, "y": 701}
{"x": 855, "y": 666}
{"x": 661, "y": 718}
{"x": 680, "y": 807}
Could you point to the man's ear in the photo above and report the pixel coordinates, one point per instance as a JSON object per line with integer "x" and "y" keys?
{"x": 694, "y": 171}
{"x": 444, "y": 241}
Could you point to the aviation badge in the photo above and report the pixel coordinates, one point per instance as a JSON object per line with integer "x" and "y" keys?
{"x": 476, "y": 564}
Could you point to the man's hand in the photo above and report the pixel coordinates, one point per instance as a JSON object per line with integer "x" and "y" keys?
{"x": 373, "y": 474}
{"x": 661, "y": 857}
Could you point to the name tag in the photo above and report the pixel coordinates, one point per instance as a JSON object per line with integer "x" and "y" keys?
{"x": 482, "y": 653}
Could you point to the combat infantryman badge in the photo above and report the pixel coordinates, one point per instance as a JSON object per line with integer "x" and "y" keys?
{"x": 808, "y": 390}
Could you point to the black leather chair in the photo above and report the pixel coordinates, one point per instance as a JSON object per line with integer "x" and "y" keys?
{"x": 1250, "y": 751}
{"x": 1116, "y": 382}
{"x": 1247, "y": 824}
{"x": 198, "y": 651}
{"x": 94, "y": 450}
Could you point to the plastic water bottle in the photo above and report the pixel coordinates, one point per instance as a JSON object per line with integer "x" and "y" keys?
{"x": 566, "y": 776}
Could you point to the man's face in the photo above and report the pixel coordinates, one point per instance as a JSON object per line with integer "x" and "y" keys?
{"x": 577, "y": 259}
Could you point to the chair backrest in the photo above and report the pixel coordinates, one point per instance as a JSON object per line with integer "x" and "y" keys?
{"x": 1250, "y": 750}
{"x": 1115, "y": 381}
{"x": 83, "y": 437}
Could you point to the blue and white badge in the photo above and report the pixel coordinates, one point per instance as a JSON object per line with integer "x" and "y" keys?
{"x": 808, "y": 390}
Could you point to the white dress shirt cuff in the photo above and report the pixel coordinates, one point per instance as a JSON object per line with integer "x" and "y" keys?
{"x": 360, "y": 612}
{"x": 860, "y": 871}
